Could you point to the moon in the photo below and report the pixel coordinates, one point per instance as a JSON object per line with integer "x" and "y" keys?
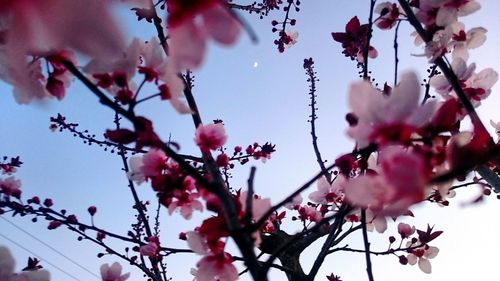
{"x": 255, "y": 64}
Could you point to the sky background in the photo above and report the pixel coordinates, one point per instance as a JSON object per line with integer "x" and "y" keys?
{"x": 264, "y": 103}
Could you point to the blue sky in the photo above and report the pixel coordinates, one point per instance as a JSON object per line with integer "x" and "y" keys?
{"x": 264, "y": 103}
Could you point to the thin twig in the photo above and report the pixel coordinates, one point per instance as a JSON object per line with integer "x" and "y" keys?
{"x": 249, "y": 200}
{"x": 367, "y": 247}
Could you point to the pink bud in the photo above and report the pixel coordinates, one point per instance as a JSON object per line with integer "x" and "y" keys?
{"x": 92, "y": 210}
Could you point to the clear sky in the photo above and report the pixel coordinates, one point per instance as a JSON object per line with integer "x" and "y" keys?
{"x": 264, "y": 103}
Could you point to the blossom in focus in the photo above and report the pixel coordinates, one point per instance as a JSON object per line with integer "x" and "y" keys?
{"x": 463, "y": 41}
{"x": 113, "y": 272}
{"x": 210, "y": 137}
{"x": 405, "y": 230}
{"x": 192, "y": 23}
{"x": 421, "y": 256}
{"x": 354, "y": 40}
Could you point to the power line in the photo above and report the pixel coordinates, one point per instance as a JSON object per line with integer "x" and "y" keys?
{"x": 50, "y": 247}
{"x": 40, "y": 257}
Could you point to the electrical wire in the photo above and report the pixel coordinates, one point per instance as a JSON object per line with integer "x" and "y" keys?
{"x": 40, "y": 257}
{"x": 50, "y": 247}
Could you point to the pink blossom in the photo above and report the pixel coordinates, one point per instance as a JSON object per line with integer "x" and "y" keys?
{"x": 88, "y": 27}
{"x": 310, "y": 213}
{"x": 216, "y": 267}
{"x": 192, "y": 23}
{"x": 127, "y": 62}
{"x": 259, "y": 206}
{"x": 463, "y": 41}
{"x": 400, "y": 183}
{"x": 210, "y": 137}
{"x": 292, "y": 38}
{"x": 113, "y": 272}
{"x": 421, "y": 256}
{"x": 479, "y": 85}
{"x": 135, "y": 173}
{"x": 405, "y": 230}
{"x": 295, "y": 203}
{"x": 450, "y": 10}
{"x": 10, "y": 187}
{"x": 197, "y": 242}
{"x": 389, "y": 13}
{"x": 328, "y": 193}
{"x": 152, "y": 248}
{"x": 462, "y": 71}
{"x": 387, "y": 118}
{"x": 187, "y": 203}
{"x": 153, "y": 162}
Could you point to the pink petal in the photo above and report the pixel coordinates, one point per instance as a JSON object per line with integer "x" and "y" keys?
{"x": 197, "y": 243}
{"x": 364, "y": 100}
{"x": 424, "y": 265}
{"x": 403, "y": 99}
{"x": 187, "y": 46}
{"x": 221, "y": 25}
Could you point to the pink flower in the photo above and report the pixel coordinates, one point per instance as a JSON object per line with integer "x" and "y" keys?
{"x": 328, "y": 193}
{"x": 192, "y": 23}
{"x": 383, "y": 118}
{"x": 135, "y": 173}
{"x": 88, "y": 27}
{"x": 463, "y": 41}
{"x": 153, "y": 163}
{"x": 210, "y": 137}
{"x": 10, "y": 187}
{"x": 113, "y": 272}
{"x": 400, "y": 183}
{"x": 389, "y": 13}
{"x": 449, "y": 10}
{"x": 40, "y": 23}
{"x": 152, "y": 248}
{"x": 187, "y": 203}
{"x": 463, "y": 72}
{"x": 259, "y": 206}
{"x": 405, "y": 230}
{"x": 197, "y": 243}
{"x": 421, "y": 256}
{"x": 310, "y": 213}
{"x": 216, "y": 267}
